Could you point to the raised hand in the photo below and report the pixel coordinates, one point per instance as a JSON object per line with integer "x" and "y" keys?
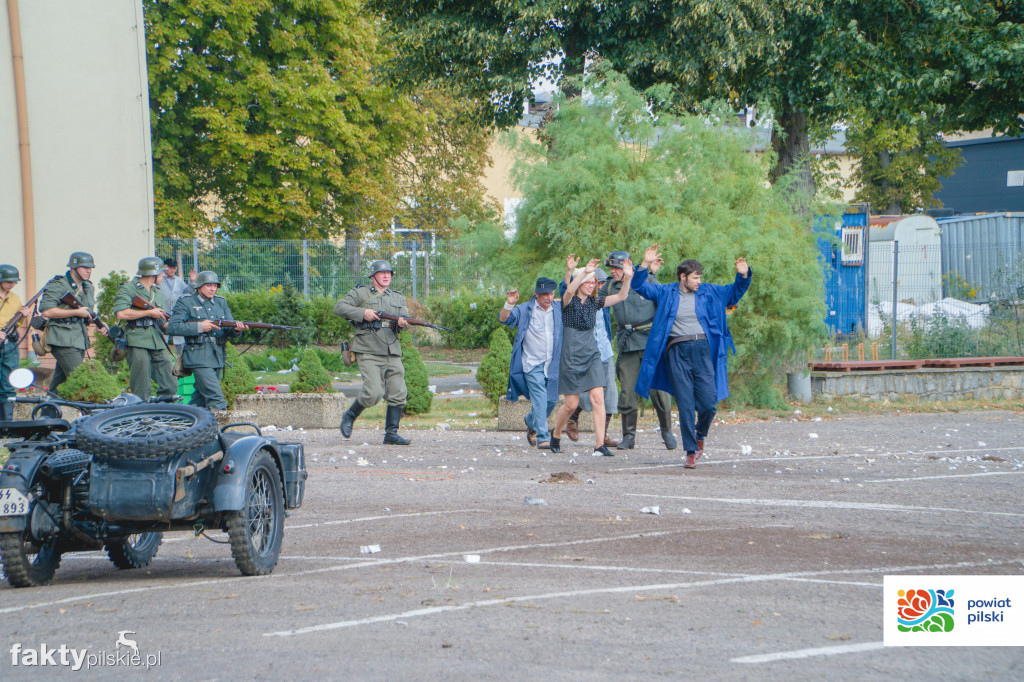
{"x": 512, "y": 297}
{"x": 650, "y": 255}
{"x": 742, "y": 267}
{"x": 627, "y": 269}
{"x": 656, "y": 264}
{"x": 591, "y": 266}
{"x": 571, "y": 261}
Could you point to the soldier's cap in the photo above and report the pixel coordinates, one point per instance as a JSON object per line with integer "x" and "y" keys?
{"x": 601, "y": 275}
{"x": 615, "y": 259}
{"x": 545, "y": 285}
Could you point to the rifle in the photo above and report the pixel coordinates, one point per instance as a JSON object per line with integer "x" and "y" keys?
{"x": 9, "y": 329}
{"x": 411, "y": 320}
{"x": 72, "y": 302}
{"x": 230, "y": 324}
{"x": 140, "y": 303}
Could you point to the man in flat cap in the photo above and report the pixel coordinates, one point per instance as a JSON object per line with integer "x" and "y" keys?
{"x": 535, "y": 355}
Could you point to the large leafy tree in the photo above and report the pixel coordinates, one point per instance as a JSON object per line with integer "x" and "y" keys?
{"x": 809, "y": 63}
{"x": 617, "y": 178}
{"x": 265, "y": 115}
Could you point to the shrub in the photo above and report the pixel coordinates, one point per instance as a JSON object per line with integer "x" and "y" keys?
{"x": 237, "y": 378}
{"x": 313, "y": 378}
{"x": 416, "y": 380}
{"x": 492, "y": 374}
{"x": 328, "y": 328}
{"x": 89, "y": 383}
{"x": 106, "y": 293}
{"x": 472, "y": 319}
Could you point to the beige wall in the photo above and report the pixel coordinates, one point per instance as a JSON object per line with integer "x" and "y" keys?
{"x": 88, "y": 107}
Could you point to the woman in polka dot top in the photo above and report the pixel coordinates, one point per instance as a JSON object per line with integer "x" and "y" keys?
{"x": 581, "y": 367}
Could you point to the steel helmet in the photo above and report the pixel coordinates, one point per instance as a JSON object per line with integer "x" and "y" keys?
{"x": 9, "y": 273}
{"x": 615, "y": 259}
{"x": 380, "y": 266}
{"x": 81, "y": 259}
{"x": 150, "y": 266}
{"x": 207, "y": 277}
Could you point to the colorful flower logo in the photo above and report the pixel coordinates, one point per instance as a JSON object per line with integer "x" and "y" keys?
{"x": 925, "y": 611}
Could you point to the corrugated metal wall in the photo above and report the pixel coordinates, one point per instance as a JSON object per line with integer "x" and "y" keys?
{"x": 980, "y": 249}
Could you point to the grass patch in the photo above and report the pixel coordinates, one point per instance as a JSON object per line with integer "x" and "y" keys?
{"x": 443, "y": 354}
{"x": 456, "y": 413}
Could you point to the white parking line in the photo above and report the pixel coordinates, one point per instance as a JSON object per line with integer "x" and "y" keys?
{"x": 807, "y": 653}
{"x": 825, "y": 504}
{"x": 388, "y": 516}
{"x": 609, "y": 590}
{"x": 789, "y": 458}
{"x": 928, "y": 478}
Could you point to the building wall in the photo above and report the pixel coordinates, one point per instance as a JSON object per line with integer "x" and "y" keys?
{"x": 88, "y": 108}
{"x": 980, "y": 184}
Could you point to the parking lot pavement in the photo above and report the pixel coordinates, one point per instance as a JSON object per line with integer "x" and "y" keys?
{"x": 497, "y": 560}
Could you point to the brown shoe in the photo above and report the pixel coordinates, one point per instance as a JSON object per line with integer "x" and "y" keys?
{"x": 700, "y": 450}
{"x": 531, "y": 437}
{"x": 608, "y": 442}
{"x": 691, "y": 461}
{"x": 572, "y": 430}
{"x": 543, "y": 445}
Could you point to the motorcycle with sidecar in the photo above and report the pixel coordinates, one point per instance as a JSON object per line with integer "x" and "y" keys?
{"x": 124, "y": 472}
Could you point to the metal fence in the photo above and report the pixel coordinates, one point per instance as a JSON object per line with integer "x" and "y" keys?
{"x": 962, "y": 302}
{"x": 423, "y": 266}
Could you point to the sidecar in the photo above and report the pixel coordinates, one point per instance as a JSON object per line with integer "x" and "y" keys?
{"x": 121, "y": 477}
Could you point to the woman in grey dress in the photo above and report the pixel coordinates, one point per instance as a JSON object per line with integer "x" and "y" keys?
{"x": 581, "y": 367}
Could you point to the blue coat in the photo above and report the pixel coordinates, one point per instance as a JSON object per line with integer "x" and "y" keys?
{"x": 710, "y": 303}
{"x": 520, "y": 318}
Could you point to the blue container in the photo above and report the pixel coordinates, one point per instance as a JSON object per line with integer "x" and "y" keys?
{"x": 844, "y": 261}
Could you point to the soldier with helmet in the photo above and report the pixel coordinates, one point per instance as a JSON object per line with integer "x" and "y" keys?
{"x": 633, "y": 318}
{"x": 67, "y": 328}
{"x": 194, "y": 317}
{"x": 148, "y": 355}
{"x": 10, "y": 305}
{"x": 377, "y": 349}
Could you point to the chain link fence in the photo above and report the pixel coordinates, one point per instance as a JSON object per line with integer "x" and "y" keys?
{"x": 423, "y": 266}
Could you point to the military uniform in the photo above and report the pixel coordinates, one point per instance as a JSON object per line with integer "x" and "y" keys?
{"x": 148, "y": 356}
{"x": 204, "y": 353}
{"x": 68, "y": 337}
{"x": 633, "y": 318}
{"x": 10, "y": 306}
{"x": 377, "y": 351}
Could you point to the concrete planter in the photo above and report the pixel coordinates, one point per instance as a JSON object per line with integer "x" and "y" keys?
{"x": 298, "y": 410}
{"x": 511, "y": 415}
{"x": 925, "y": 384}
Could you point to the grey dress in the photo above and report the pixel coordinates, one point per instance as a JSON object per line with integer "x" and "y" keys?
{"x": 581, "y": 367}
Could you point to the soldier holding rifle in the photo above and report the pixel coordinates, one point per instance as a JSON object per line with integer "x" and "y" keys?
{"x": 148, "y": 354}
{"x": 201, "y": 317}
{"x": 377, "y": 349}
{"x": 12, "y": 316}
{"x": 66, "y": 305}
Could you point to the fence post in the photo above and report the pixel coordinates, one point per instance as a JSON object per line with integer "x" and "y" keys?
{"x": 415, "y": 248}
{"x": 895, "y": 279}
{"x": 195, "y": 254}
{"x": 305, "y": 270}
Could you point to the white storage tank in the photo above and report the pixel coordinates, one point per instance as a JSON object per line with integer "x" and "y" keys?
{"x": 919, "y": 264}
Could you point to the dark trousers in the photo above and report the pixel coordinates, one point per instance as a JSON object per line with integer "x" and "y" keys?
{"x": 693, "y": 384}
{"x": 627, "y": 369}
{"x": 68, "y": 359}
{"x": 9, "y": 358}
{"x": 208, "y": 392}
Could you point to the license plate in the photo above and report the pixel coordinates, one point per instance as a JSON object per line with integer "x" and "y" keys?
{"x": 13, "y": 502}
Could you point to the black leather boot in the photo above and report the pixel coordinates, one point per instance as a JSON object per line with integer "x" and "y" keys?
{"x": 391, "y": 421}
{"x": 628, "y": 441}
{"x": 665, "y": 424}
{"x": 349, "y": 418}
{"x": 6, "y": 411}
{"x": 555, "y": 445}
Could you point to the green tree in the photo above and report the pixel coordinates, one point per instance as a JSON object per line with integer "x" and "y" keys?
{"x": 265, "y": 114}
{"x": 237, "y": 378}
{"x": 417, "y": 381}
{"x": 899, "y": 167}
{"x": 492, "y": 374}
{"x": 623, "y": 179}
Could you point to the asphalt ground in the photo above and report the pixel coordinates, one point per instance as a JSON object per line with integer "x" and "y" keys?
{"x": 762, "y": 566}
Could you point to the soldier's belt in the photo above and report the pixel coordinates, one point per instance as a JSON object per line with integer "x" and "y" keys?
{"x": 140, "y": 324}
{"x": 637, "y": 327}
{"x": 198, "y": 340}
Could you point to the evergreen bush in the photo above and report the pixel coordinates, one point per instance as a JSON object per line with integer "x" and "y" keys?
{"x": 237, "y": 379}
{"x": 492, "y": 375}
{"x": 89, "y": 383}
{"x": 313, "y": 378}
{"x": 416, "y": 380}
{"x": 472, "y": 318}
{"x": 106, "y": 292}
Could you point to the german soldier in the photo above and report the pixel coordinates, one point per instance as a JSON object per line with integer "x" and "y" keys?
{"x": 633, "y": 318}
{"x": 10, "y": 305}
{"x": 148, "y": 355}
{"x": 195, "y": 317}
{"x": 67, "y": 328}
{"x": 377, "y": 349}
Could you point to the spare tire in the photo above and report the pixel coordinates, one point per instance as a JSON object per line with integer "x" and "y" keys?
{"x": 146, "y": 431}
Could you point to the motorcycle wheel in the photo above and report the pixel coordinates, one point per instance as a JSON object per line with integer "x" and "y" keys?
{"x": 134, "y": 551}
{"x": 27, "y": 563}
{"x": 257, "y": 529}
{"x": 146, "y": 431}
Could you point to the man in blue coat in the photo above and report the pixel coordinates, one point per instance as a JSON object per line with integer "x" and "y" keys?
{"x": 535, "y": 355}
{"x": 687, "y": 348}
